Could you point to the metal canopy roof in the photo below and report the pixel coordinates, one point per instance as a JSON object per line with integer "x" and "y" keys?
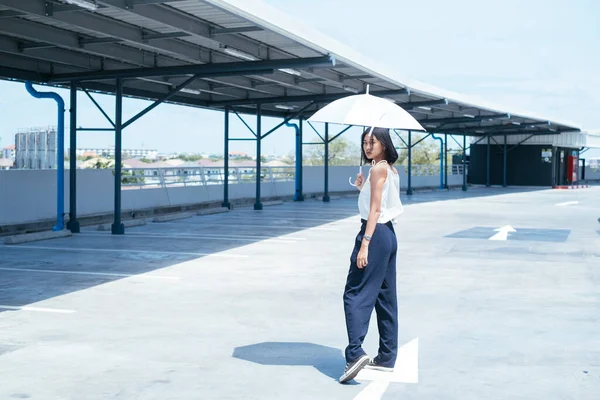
{"x": 224, "y": 53}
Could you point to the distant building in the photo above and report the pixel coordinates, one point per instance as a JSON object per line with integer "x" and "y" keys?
{"x": 6, "y": 163}
{"x": 237, "y": 154}
{"x": 149, "y": 154}
{"x": 8, "y": 152}
{"x": 35, "y": 148}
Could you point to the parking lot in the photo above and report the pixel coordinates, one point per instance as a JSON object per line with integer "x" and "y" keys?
{"x": 498, "y": 286}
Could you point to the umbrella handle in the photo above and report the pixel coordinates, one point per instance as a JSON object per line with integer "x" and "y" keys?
{"x": 359, "y": 172}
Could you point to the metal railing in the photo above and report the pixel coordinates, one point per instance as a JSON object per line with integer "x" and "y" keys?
{"x": 434, "y": 170}
{"x": 198, "y": 176}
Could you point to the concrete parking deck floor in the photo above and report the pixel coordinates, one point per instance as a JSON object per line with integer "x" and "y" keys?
{"x": 500, "y": 286}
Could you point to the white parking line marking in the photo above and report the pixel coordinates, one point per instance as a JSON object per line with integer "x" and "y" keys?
{"x": 141, "y": 235}
{"x": 567, "y": 203}
{"x": 406, "y": 370}
{"x": 183, "y": 253}
{"x": 233, "y": 218}
{"x": 56, "y": 271}
{"x": 38, "y": 309}
{"x": 241, "y": 226}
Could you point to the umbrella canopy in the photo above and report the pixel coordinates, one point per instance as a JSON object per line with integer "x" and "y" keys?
{"x": 369, "y": 111}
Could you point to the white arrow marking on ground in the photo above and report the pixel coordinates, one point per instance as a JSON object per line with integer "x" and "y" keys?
{"x": 406, "y": 370}
{"x": 568, "y": 203}
{"x": 502, "y": 232}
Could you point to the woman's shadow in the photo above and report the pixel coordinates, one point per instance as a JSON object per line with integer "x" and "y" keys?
{"x": 327, "y": 360}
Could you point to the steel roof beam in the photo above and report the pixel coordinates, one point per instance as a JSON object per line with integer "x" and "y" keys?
{"x": 209, "y": 70}
{"x": 365, "y": 76}
{"x": 460, "y": 132}
{"x": 461, "y": 120}
{"x": 228, "y": 31}
{"x": 299, "y": 99}
{"x": 40, "y": 67}
{"x": 506, "y": 127}
{"x": 145, "y": 94}
{"x": 19, "y": 74}
{"x": 9, "y": 14}
{"x": 169, "y": 35}
{"x": 410, "y": 106}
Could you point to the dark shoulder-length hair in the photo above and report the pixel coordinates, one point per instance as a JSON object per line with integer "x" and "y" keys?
{"x": 383, "y": 135}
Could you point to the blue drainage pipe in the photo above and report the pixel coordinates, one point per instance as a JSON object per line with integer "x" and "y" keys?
{"x": 441, "y": 159}
{"x": 298, "y": 191}
{"x": 60, "y": 153}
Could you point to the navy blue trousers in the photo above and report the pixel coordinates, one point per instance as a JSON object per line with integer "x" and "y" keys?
{"x": 373, "y": 287}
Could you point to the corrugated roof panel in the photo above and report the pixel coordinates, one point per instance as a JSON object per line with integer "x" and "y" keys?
{"x": 209, "y": 13}
{"x": 200, "y": 41}
{"x": 134, "y": 19}
{"x": 272, "y": 39}
{"x": 227, "y": 20}
{"x": 61, "y": 25}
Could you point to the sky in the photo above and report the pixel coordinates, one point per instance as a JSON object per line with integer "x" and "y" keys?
{"x": 536, "y": 56}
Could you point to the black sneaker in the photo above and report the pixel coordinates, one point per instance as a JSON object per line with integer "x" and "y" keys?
{"x": 353, "y": 368}
{"x": 374, "y": 365}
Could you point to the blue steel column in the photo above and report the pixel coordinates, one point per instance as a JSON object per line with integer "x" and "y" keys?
{"x": 298, "y": 196}
{"x": 441, "y": 159}
{"x": 504, "y": 182}
{"x": 226, "y": 162}
{"x": 409, "y": 190}
{"x": 60, "y": 152}
{"x": 446, "y": 161}
{"x": 117, "y": 227}
{"x": 257, "y": 204}
{"x": 487, "y": 169}
{"x": 464, "y": 162}
{"x": 73, "y": 224}
{"x": 326, "y": 197}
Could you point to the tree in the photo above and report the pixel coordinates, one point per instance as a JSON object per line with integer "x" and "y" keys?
{"x": 425, "y": 153}
{"x": 127, "y": 176}
{"x": 341, "y": 152}
{"x": 190, "y": 157}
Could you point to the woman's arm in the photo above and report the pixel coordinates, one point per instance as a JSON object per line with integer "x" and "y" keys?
{"x": 377, "y": 179}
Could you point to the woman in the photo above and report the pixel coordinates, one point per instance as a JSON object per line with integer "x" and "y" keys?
{"x": 371, "y": 281}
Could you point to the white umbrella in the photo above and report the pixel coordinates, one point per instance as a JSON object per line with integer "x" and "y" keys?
{"x": 368, "y": 111}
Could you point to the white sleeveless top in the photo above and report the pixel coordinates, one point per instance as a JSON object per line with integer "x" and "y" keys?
{"x": 391, "y": 206}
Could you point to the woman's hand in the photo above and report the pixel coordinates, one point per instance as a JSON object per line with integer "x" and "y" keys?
{"x": 363, "y": 255}
{"x": 360, "y": 181}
